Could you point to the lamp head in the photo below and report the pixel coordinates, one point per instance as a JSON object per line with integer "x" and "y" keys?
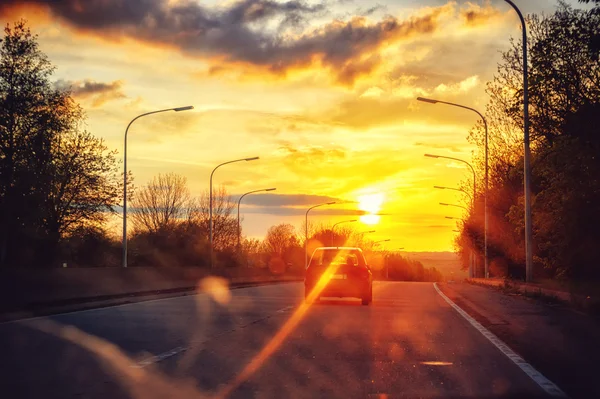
{"x": 427, "y": 100}
{"x": 187, "y": 108}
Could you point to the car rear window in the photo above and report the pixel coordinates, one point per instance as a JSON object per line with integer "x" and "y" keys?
{"x": 326, "y": 257}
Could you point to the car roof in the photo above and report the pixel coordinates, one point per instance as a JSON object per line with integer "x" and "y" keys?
{"x": 343, "y": 248}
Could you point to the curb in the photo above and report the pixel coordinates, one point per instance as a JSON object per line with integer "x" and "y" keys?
{"x": 49, "y": 308}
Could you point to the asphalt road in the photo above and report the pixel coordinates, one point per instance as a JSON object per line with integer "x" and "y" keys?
{"x": 260, "y": 342}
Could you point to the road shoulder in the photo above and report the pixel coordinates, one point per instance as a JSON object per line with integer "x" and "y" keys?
{"x": 560, "y": 343}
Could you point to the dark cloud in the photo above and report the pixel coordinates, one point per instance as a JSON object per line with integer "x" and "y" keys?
{"x": 372, "y": 10}
{"x": 476, "y": 15}
{"x": 98, "y": 92}
{"x": 243, "y": 33}
{"x": 291, "y": 211}
{"x": 288, "y": 200}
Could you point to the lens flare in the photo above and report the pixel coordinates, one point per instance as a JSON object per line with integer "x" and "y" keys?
{"x": 278, "y": 339}
{"x": 217, "y": 288}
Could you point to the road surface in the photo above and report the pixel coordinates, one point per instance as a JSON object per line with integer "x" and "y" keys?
{"x": 260, "y": 342}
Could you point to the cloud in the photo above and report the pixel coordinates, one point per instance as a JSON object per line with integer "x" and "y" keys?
{"x": 296, "y": 204}
{"x": 264, "y": 34}
{"x": 293, "y": 211}
{"x": 98, "y": 92}
{"x": 476, "y": 15}
{"x": 459, "y": 87}
{"x": 312, "y": 155}
{"x": 450, "y": 148}
{"x": 289, "y": 199}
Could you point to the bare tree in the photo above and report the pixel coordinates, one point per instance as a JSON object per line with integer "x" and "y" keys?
{"x": 279, "y": 238}
{"x": 224, "y": 223}
{"x": 161, "y": 203}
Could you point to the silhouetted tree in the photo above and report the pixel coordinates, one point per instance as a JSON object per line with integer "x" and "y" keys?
{"x": 54, "y": 176}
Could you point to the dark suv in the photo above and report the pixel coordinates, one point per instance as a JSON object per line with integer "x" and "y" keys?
{"x": 339, "y": 272}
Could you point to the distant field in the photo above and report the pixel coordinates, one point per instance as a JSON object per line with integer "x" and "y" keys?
{"x": 448, "y": 263}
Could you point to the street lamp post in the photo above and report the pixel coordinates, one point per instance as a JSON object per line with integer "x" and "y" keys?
{"x": 526, "y": 155}
{"x": 457, "y": 206}
{"x": 333, "y": 227}
{"x": 387, "y": 266}
{"x": 455, "y": 189}
{"x": 239, "y": 230}
{"x": 210, "y": 200}
{"x": 380, "y": 241}
{"x": 474, "y": 179}
{"x": 466, "y": 163}
{"x": 178, "y": 109}
{"x": 471, "y": 254}
{"x": 306, "y": 229}
{"x": 485, "y": 211}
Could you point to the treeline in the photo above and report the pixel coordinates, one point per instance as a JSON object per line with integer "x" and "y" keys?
{"x": 403, "y": 269}
{"x": 564, "y": 95}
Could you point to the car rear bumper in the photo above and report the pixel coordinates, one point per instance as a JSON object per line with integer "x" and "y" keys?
{"x": 343, "y": 288}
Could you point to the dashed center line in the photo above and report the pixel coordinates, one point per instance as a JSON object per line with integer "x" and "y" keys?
{"x": 160, "y": 357}
{"x": 180, "y": 349}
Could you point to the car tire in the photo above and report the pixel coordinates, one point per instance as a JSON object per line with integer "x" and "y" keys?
{"x": 367, "y": 299}
{"x": 307, "y": 293}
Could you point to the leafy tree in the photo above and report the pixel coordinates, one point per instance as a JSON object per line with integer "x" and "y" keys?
{"x": 86, "y": 182}
{"x": 54, "y": 176}
{"x": 564, "y": 79}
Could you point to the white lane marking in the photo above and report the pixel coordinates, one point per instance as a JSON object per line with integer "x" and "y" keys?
{"x": 527, "y": 368}
{"x": 160, "y": 357}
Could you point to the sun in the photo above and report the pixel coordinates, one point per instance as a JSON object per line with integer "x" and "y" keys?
{"x": 371, "y": 204}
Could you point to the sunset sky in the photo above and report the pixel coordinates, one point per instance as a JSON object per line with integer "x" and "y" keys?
{"x": 323, "y": 92}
